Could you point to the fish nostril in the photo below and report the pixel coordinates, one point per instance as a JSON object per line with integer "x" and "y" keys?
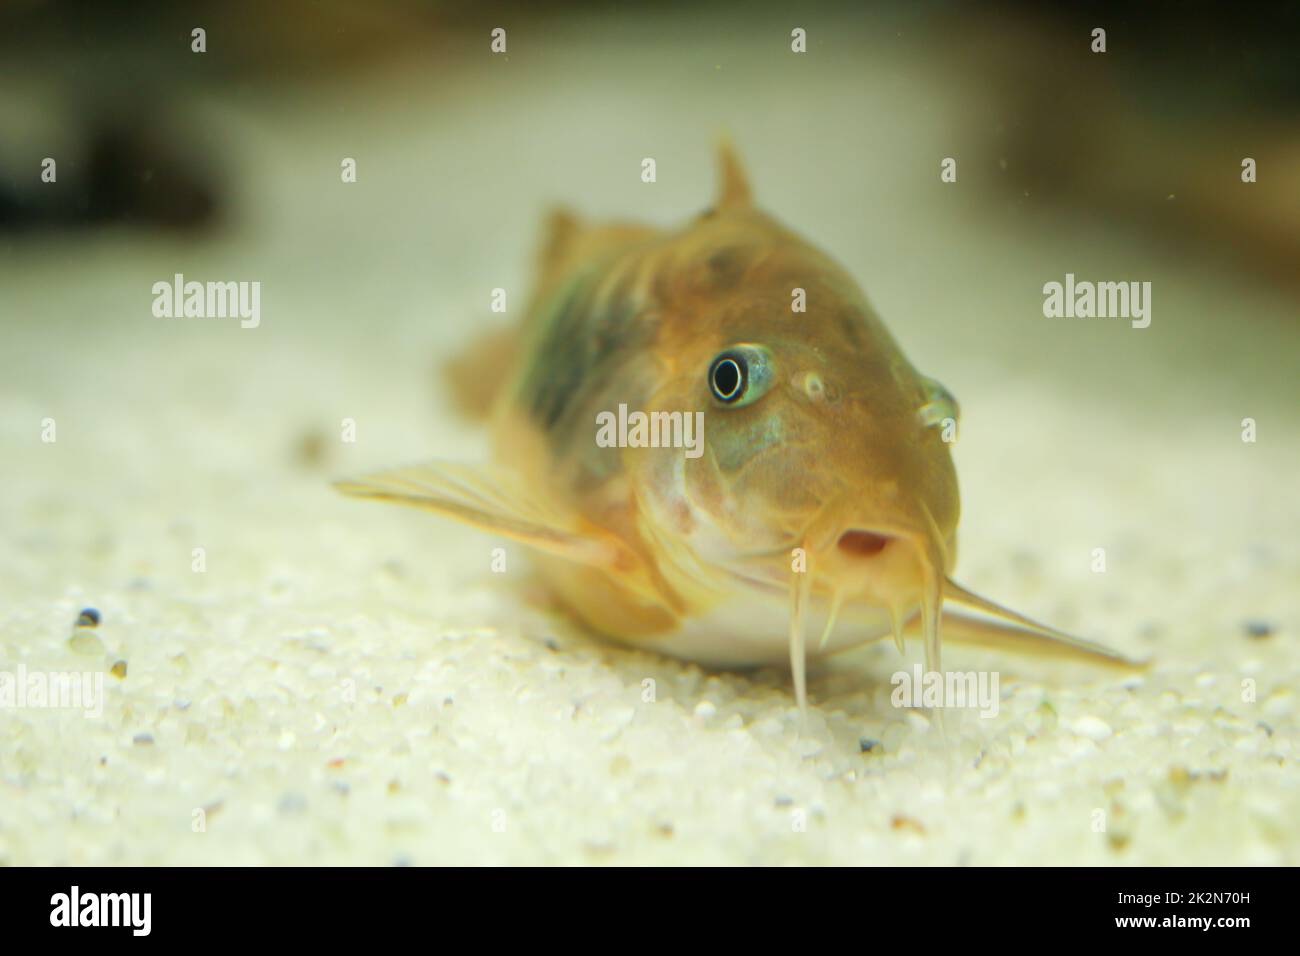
{"x": 863, "y": 544}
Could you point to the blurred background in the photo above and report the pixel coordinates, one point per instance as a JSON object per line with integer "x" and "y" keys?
{"x": 175, "y": 434}
{"x": 150, "y": 128}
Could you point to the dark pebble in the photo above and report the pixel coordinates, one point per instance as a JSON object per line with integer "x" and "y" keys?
{"x": 866, "y": 745}
{"x": 1258, "y": 629}
{"x": 89, "y": 617}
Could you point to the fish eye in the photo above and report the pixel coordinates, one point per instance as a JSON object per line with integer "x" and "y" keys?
{"x": 740, "y": 375}
{"x": 727, "y": 377}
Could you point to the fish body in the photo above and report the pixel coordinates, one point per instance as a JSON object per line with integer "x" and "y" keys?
{"x": 790, "y": 476}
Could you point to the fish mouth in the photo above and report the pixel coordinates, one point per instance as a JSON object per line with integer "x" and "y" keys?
{"x": 895, "y": 568}
{"x": 900, "y": 567}
{"x": 904, "y": 569}
{"x": 862, "y": 543}
{"x": 847, "y": 560}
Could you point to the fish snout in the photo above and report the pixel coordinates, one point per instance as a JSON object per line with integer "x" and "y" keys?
{"x": 884, "y": 565}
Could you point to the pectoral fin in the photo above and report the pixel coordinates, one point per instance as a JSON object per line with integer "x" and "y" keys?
{"x": 501, "y": 502}
{"x": 1006, "y": 630}
{"x": 959, "y": 628}
{"x": 1011, "y": 630}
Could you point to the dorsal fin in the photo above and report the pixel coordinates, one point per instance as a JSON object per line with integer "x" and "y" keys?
{"x": 561, "y": 229}
{"x": 733, "y": 184}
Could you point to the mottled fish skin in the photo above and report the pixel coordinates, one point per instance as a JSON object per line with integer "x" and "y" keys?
{"x": 586, "y": 347}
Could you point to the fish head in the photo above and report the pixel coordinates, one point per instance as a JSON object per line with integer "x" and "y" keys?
{"x": 821, "y": 443}
{"x": 813, "y": 443}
